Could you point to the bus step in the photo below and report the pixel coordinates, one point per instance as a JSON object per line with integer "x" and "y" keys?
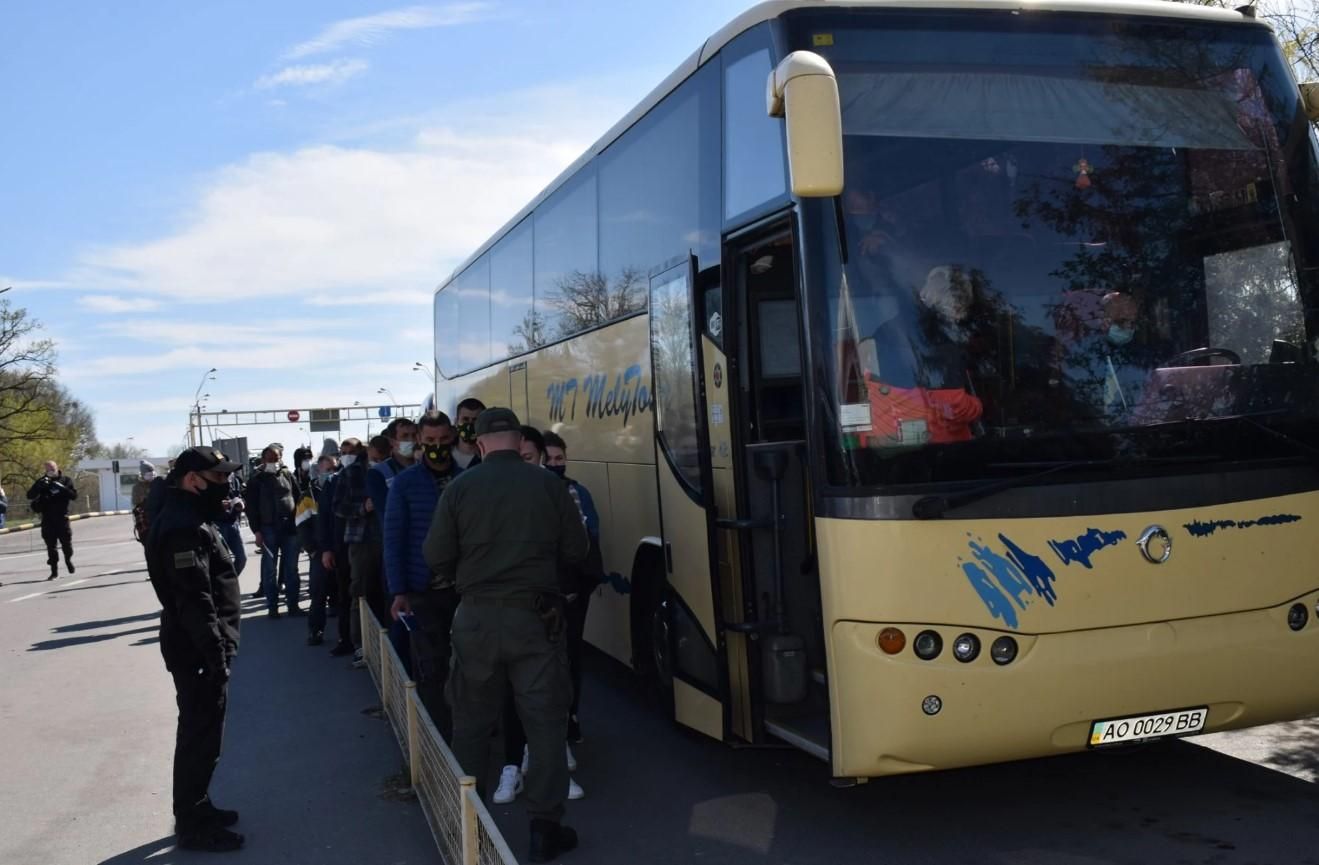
{"x": 810, "y": 734}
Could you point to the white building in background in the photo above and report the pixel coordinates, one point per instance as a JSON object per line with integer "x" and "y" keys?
{"x": 117, "y": 488}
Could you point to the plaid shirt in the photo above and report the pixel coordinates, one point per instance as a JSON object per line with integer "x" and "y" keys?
{"x": 350, "y": 501}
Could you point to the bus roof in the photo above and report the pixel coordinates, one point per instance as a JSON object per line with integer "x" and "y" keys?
{"x": 772, "y": 9}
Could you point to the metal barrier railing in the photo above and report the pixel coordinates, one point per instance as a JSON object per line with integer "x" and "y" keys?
{"x": 459, "y": 821}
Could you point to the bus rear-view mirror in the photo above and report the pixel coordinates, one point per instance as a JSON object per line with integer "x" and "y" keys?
{"x": 1310, "y": 99}
{"x": 804, "y": 92}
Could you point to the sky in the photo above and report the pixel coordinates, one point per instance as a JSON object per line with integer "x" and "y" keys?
{"x": 276, "y": 189}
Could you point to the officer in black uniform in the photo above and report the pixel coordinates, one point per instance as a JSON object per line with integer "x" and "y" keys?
{"x": 51, "y": 496}
{"x": 193, "y": 575}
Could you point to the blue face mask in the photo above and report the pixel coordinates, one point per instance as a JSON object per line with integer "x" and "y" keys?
{"x": 1119, "y": 335}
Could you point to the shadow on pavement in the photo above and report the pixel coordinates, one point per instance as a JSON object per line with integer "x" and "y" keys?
{"x": 65, "y": 642}
{"x": 159, "y": 852}
{"x": 108, "y": 623}
{"x": 96, "y": 586}
{"x": 656, "y": 793}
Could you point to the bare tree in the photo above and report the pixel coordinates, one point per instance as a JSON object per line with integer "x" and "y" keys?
{"x": 582, "y": 300}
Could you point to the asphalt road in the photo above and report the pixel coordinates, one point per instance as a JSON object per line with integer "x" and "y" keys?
{"x": 87, "y": 715}
{"x": 87, "y": 727}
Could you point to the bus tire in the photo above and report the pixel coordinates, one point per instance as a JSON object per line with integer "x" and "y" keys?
{"x": 652, "y": 638}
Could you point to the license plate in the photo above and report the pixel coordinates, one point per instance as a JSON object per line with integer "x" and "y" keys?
{"x": 1139, "y": 728}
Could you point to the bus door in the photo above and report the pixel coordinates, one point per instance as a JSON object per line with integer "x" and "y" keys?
{"x": 679, "y": 627}
{"x": 773, "y": 622}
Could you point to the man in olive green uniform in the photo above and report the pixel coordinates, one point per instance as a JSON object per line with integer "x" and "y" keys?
{"x": 501, "y": 531}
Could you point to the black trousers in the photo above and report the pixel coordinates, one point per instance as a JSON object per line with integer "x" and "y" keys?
{"x": 202, "y": 701}
{"x": 431, "y": 651}
{"x": 576, "y": 615}
{"x": 343, "y": 595}
{"x": 57, "y": 531}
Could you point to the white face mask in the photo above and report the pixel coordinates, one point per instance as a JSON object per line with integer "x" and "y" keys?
{"x": 306, "y": 465}
{"x": 51, "y": 473}
{"x": 273, "y": 468}
{"x": 405, "y": 448}
{"x": 348, "y": 459}
{"x": 148, "y": 476}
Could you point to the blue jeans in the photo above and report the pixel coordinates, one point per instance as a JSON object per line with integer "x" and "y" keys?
{"x": 284, "y": 547}
{"x": 234, "y": 538}
{"x": 319, "y": 589}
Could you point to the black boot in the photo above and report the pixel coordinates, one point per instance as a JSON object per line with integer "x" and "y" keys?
{"x": 68, "y": 563}
{"x": 222, "y": 817}
{"x": 549, "y": 839}
{"x": 54, "y": 571}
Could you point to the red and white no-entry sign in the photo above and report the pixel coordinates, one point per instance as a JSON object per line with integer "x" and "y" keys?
{"x": 293, "y": 416}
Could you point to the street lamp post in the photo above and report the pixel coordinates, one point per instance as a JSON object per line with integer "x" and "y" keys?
{"x": 392, "y": 399}
{"x": 197, "y": 406}
{"x": 421, "y": 367}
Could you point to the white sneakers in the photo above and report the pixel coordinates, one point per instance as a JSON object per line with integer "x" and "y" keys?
{"x": 510, "y": 779}
{"x": 510, "y": 785}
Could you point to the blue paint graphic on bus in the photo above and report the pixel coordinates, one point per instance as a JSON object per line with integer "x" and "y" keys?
{"x": 629, "y": 396}
{"x": 1007, "y": 582}
{"x": 1082, "y": 548}
{"x": 1198, "y": 529}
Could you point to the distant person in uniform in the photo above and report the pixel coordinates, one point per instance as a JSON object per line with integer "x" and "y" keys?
{"x": 193, "y": 576}
{"x": 50, "y": 497}
{"x": 146, "y": 473}
{"x": 501, "y": 532}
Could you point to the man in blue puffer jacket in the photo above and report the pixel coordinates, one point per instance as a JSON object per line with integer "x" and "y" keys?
{"x": 424, "y": 604}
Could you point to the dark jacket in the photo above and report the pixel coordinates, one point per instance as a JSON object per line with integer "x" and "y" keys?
{"x": 502, "y": 529}
{"x": 230, "y": 515}
{"x": 193, "y": 575}
{"x": 412, "y": 500}
{"x": 271, "y": 499}
{"x": 329, "y": 531}
{"x": 350, "y": 495}
{"x": 51, "y": 497}
{"x": 590, "y": 572}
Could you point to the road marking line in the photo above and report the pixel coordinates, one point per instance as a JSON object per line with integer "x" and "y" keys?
{"x": 52, "y": 589}
{"x": 9, "y": 557}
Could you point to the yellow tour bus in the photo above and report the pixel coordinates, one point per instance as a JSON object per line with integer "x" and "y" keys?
{"x": 945, "y": 374}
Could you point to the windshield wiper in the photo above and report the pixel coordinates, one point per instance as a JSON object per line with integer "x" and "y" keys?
{"x": 934, "y": 506}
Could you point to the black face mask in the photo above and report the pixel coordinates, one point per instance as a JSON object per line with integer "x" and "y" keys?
{"x": 438, "y": 456}
{"x": 561, "y": 471}
{"x": 213, "y": 499}
{"x": 467, "y": 432}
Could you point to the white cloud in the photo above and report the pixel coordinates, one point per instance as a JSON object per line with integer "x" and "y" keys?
{"x": 113, "y": 303}
{"x": 325, "y": 73}
{"x": 338, "y": 223}
{"x": 371, "y": 29}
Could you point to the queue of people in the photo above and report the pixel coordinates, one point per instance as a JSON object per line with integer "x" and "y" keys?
{"x": 467, "y": 540}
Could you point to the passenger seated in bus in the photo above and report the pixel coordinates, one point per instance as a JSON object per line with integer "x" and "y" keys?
{"x": 1103, "y": 356}
{"x": 919, "y": 383}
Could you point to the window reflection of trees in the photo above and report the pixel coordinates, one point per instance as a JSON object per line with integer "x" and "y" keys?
{"x": 579, "y": 301}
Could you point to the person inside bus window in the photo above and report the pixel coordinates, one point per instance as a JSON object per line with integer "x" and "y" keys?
{"x": 1105, "y": 357}
{"x": 920, "y": 390}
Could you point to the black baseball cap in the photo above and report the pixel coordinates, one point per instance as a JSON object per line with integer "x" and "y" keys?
{"x": 202, "y": 459}
{"x": 497, "y": 420}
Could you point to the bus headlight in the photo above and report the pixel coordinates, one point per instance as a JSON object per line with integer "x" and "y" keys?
{"x": 1003, "y": 650}
{"x": 1297, "y": 616}
{"x": 928, "y": 645}
{"x": 966, "y": 648}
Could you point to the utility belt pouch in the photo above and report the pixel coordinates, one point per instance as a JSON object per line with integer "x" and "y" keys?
{"x": 550, "y": 608}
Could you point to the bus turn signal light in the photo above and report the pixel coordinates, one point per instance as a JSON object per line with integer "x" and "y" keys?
{"x": 892, "y": 641}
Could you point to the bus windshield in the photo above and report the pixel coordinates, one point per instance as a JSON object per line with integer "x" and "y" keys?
{"x": 1058, "y": 239}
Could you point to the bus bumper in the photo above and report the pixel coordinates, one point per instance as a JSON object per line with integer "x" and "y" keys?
{"x": 1248, "y": 668}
